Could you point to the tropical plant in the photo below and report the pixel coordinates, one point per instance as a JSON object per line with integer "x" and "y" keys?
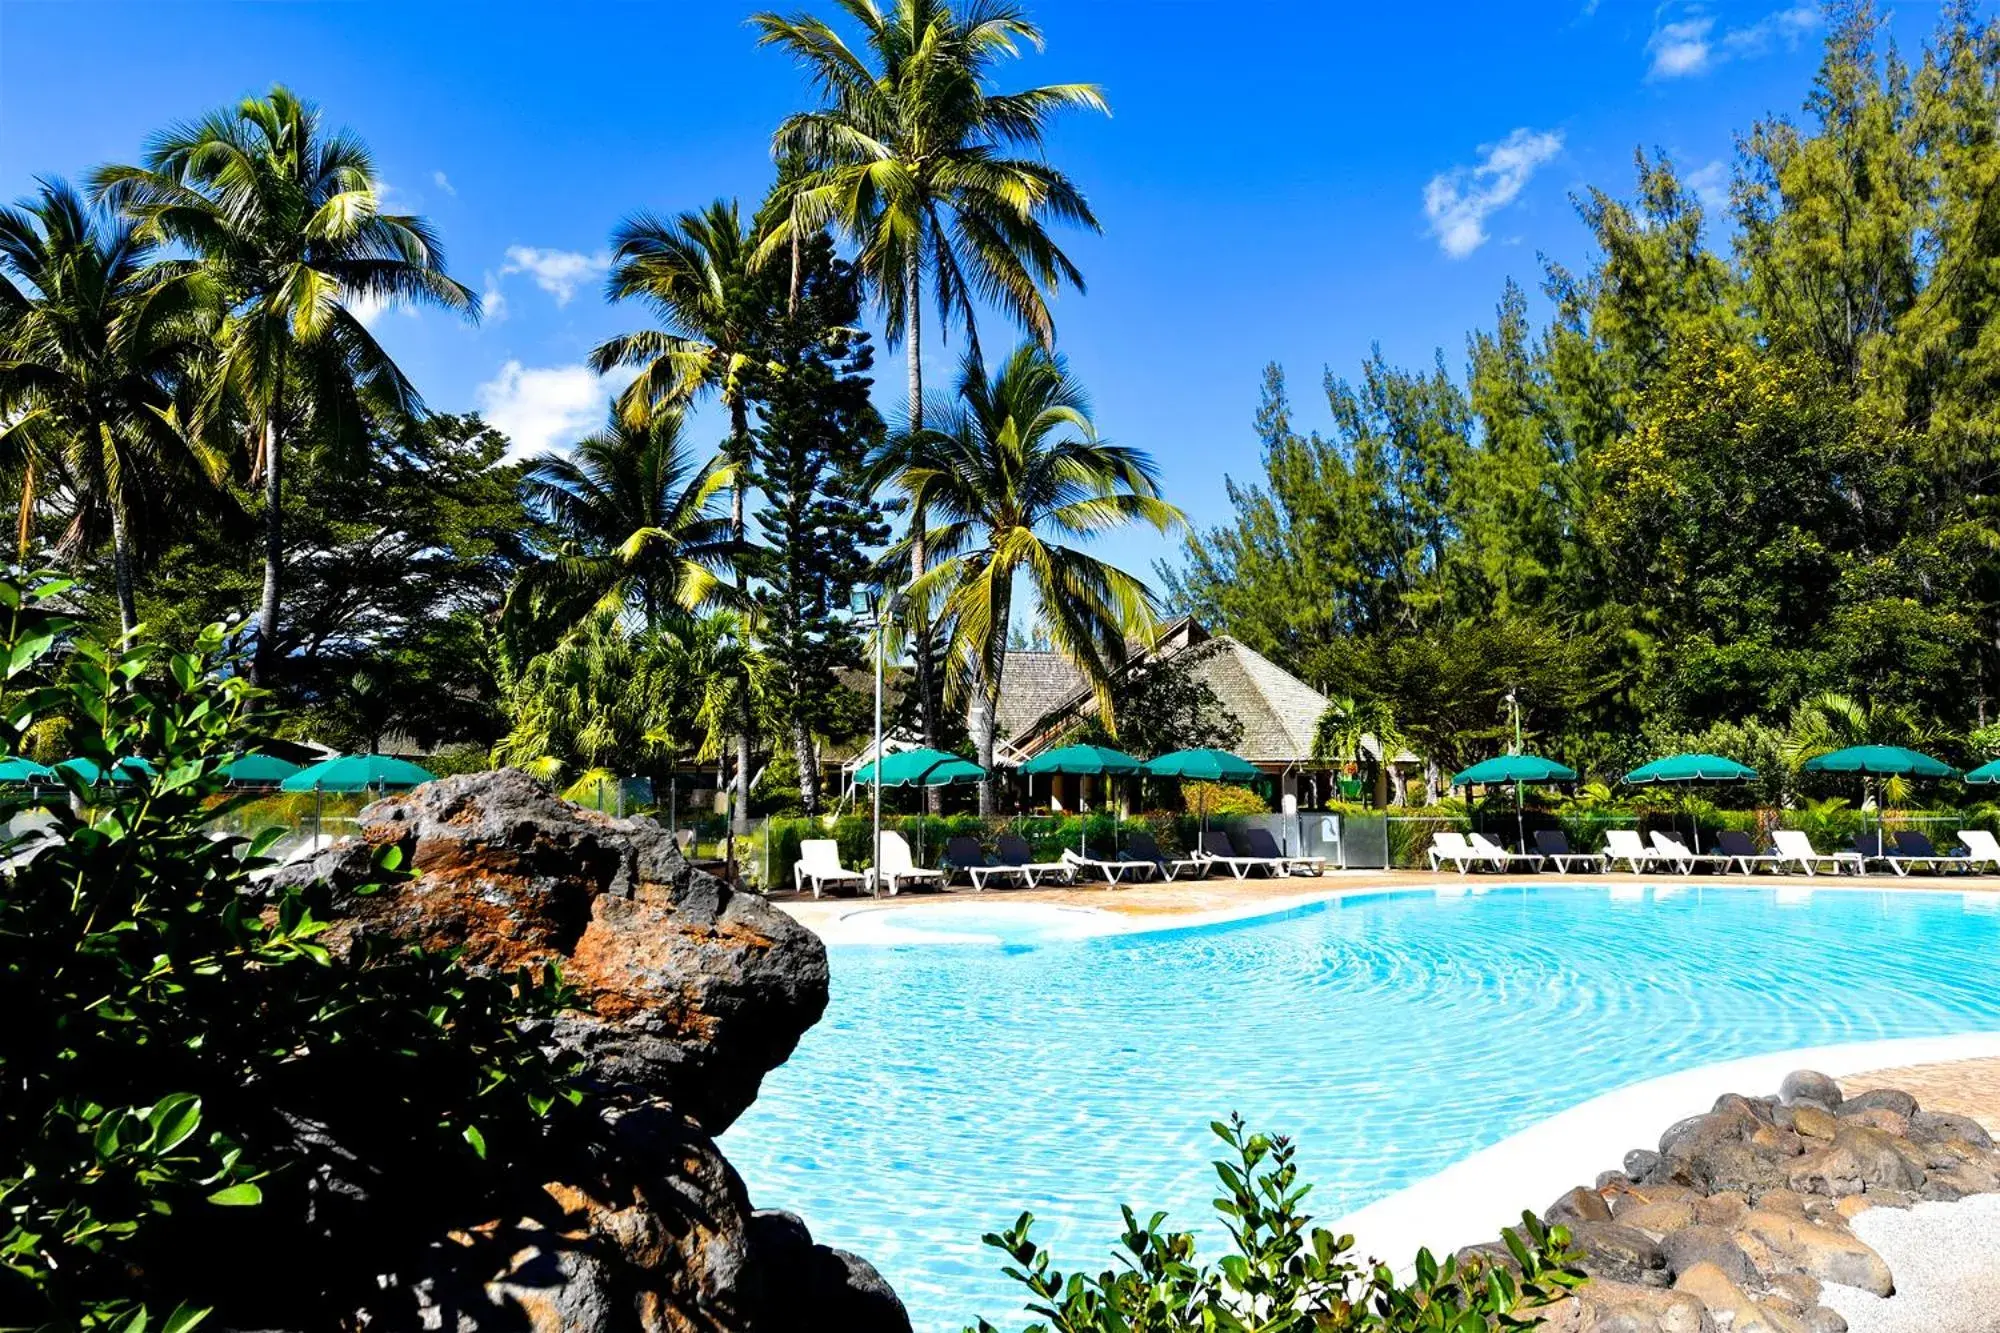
{"x": 602, "y": 697}
{"x": 1016, "y": 472}
{"x": 1831, "y": 721}
{"x": 632, "y": 514}
{"x": 286, "y": 219}
{"x": 1283, "y": 1275}
{"x": 1349, "y": 724}
{"x": 916, "y": 159}
{"x": 192, "y": 1065}
{"x": 737, "y": 679}
{"x": 94, "y": 358}
{"x": 694, "y": 272}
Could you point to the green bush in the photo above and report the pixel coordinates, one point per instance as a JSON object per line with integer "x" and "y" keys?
{"x": 1283, "y": 1274}
{"x": 194, "y": 1076}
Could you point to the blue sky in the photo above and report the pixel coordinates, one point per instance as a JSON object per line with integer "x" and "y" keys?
{"x": 1291, "y": 181}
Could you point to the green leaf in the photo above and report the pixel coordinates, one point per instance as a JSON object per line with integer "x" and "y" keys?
{"x": 476, "y": 1139}
{"x": 184, "y": 1318}
{"x": 237, "y": 1196}
{"x": 173, "y": 1119}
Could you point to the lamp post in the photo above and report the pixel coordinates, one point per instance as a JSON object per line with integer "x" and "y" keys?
{"x": 874, "y": 611}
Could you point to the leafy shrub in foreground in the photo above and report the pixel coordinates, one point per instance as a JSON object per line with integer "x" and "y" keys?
{"x": 1283, "y": 1275}
{"x": 207, "y": 1105}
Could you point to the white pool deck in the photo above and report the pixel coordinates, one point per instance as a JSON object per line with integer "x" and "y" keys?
{"x": 1471, "y": 1200}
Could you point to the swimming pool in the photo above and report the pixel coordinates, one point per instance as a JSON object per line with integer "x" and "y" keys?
{"x": 952, "y": 1085}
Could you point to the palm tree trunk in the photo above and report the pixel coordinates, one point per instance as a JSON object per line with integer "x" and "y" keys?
{"x": 264, "y": 664}
{"x": 985, "y": 720}
{"x": 27, "y": 521}
{"x": 739, "y": 455}
{"x": 807, "y": 756}
{"x": 121, "y": 564}
{"x": 741, "y": 823}
{"x": 913, "y": 330}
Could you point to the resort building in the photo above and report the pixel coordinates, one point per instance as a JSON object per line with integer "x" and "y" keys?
{"x": 1043, "y": 698}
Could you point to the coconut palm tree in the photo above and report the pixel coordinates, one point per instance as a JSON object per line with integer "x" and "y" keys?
{"x": 92, "y": 354}
{"x": 1015, "y": 474}
{"x": 694, "y": 271}
{"x": 632, "y": 512}
{"x": 287, "y": 219}
{"x": 922, "y": 166}
{"x": 1348, "y": 724}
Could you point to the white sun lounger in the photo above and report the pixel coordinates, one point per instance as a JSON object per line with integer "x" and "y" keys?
{"x": 1450, "y": 845}
{"x": 895, "y": 867}
{"x": 1625, "y": 844}
{"x": 1981, "y": 848}
{"x": 1012, "y": 851}
{"x": 1795, "y": 848}
{"x": 1676, "y": 853}
{"x": 1215, "y": 850}
{"x": 819, "y": 862}
{"x": 1111, "y": 871}
{"x": 1486, "y": 847}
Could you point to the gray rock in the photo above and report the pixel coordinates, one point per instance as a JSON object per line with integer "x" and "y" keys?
{"x": 1640, "y": 1163}
{"x": 1579, "y": 1205}
{"x": 1885, "y": 1099}
{"x": 1702, "y": 1244}
{"x": 1934, "y": 1126}
{"x": 1611, "y": 1180}
{"x": 1809, "y": 1085}
{"x": 1819, "y": 1319}
{"x": 1618, "y": 1253}
{"x": 1858, "y": 1160}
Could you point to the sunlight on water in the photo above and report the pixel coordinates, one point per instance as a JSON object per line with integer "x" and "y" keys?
{"x": 950, "y": 1086}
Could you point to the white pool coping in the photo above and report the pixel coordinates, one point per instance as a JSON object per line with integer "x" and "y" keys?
{"x": 1470, "y": 1200}
{"x": 882, "y": 922}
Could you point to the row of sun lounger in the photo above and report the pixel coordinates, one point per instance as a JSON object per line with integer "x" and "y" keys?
{"x": 1790, "y": 850}
{"x": 1251, "y": 851}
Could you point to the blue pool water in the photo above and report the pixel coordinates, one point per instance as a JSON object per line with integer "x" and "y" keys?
{"x": 952, "y": 1085}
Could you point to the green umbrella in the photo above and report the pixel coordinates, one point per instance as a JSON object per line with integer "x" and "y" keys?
{"x": 920, "y": 768}
{"x": 1517, "y": 769}
{"x": 123, "y": 770}
{"x": 24, "y": 770}
{"x": 1690, "y": 768}
{"x": 259, "y": 770}
{"x": 357, "y": 772}
{"x": 1084, "y": 760}
{"x": 1513, "y": 768}
{"x": 1204, "y": 766}
{"x": 1877, "y": 761}
{"x": 1985, "y": 775}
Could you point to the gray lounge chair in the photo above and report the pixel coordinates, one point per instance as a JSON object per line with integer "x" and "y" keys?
{"x": 962, "y": 855}
{"x": 1108, "y": 866}
{"x": 1011, "y": 850}
{"x": 1554, "y": 844}
{"x": 1258, "y": 842}
{"x": 1217, "y": 850}
{"x": 1735, "y": 845}
{"x": 1914, "y": 849}
{"x": 1142, "y": 847}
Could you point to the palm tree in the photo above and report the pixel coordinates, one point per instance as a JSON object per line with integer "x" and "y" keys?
{"x": 1348, "y": 724}
{"x": 92, "y": 356}
{"x": 288, "y": 220}
{"x": 632, "y": 511}
{"x": 738, "y": 679}
{"x": 695, "y": 273}
{"x": 1014, "y": 473}
{"x": 916, "y": 160}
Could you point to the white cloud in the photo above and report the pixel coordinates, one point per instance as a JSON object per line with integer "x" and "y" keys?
{"x": 546, "y": 407}
{"x": 557, "y": 272}
{"x": 1459, "y": 201}
{"x": 1692, "y": 45}
{"x": 1680, "y": 49}
{"x": 1711, "y": 185}
{"x": 492, "y": 301}
{"x": 443, "y": 182}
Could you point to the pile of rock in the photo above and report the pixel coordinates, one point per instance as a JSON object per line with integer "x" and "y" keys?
{"x": 690, "y": 994}
{"x": 1741, "y": 1216}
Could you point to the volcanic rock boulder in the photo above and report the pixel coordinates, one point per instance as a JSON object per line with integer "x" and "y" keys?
{"x": 690, "y": 993}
